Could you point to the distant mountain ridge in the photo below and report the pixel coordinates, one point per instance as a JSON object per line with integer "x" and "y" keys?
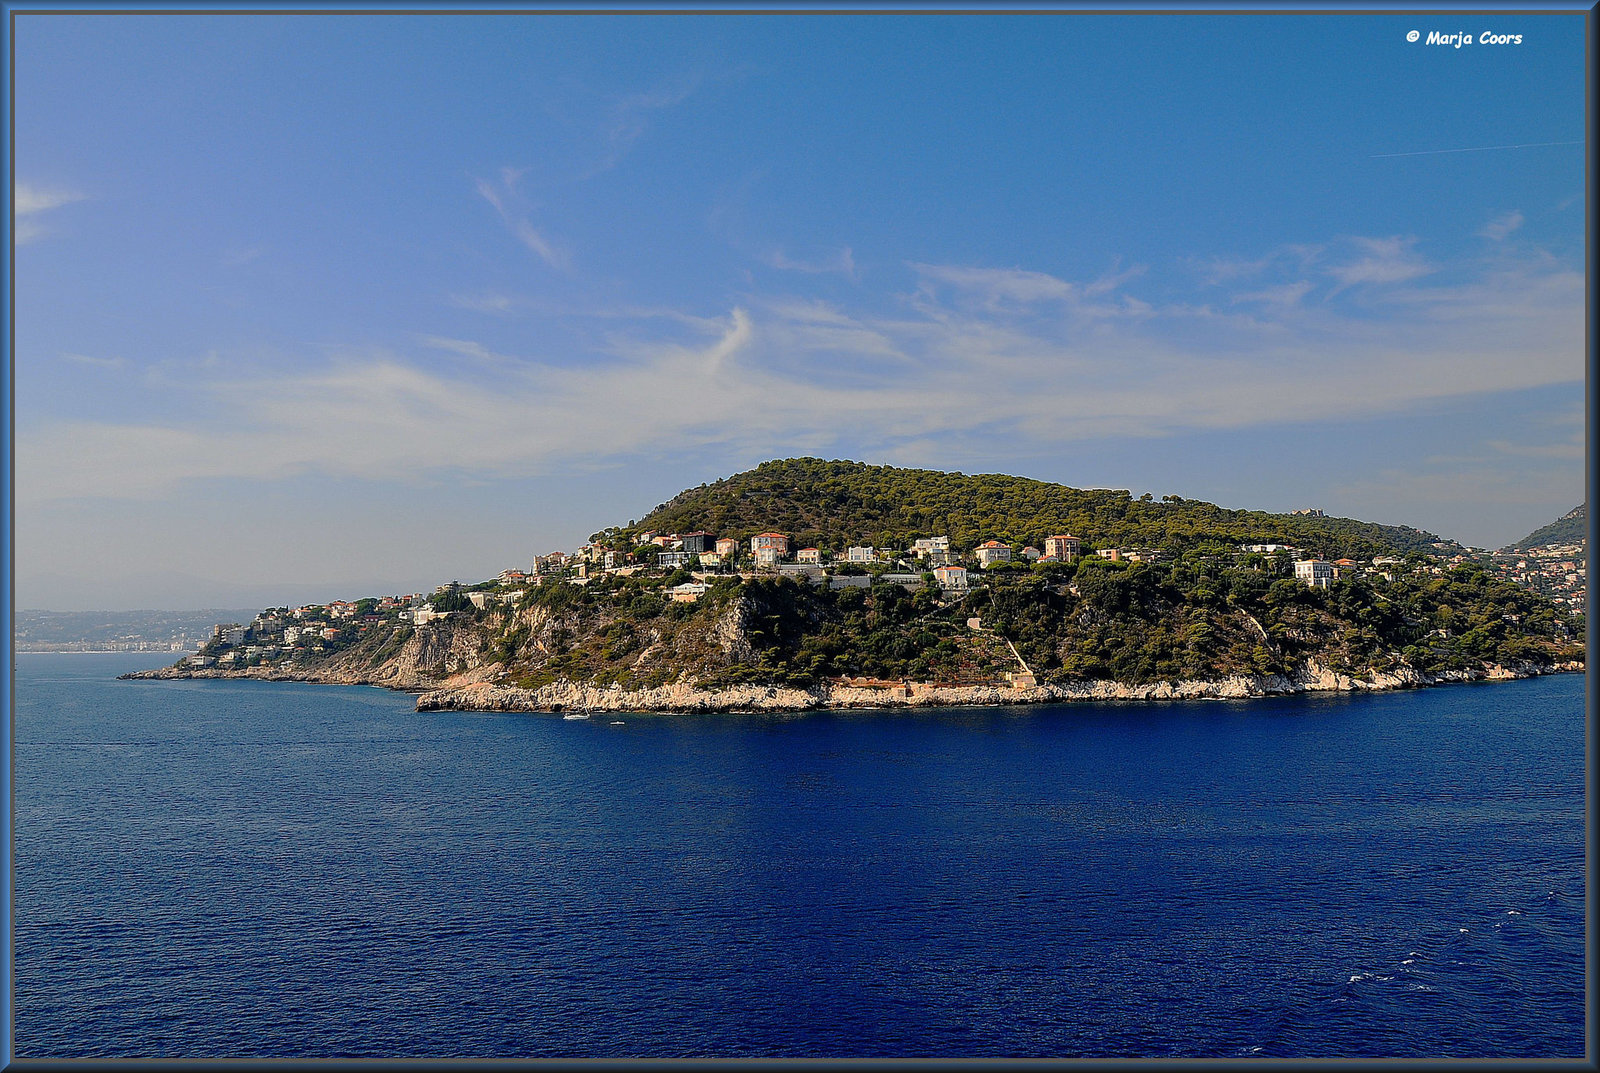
{"x": 832, "y": 503}
{"x": 1571, "y": 528}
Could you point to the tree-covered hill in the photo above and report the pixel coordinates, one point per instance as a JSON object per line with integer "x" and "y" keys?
{"x": 1204, "y": 611}
{"x": 833, "y": 503}
{"x": 1571, "y": 528}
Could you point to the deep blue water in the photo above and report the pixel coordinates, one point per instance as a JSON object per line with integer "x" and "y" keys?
{"x": 249, "y": 869}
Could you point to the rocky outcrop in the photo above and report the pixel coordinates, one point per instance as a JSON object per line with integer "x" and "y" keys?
{"x": 683, "y": 696}
{"x": 439, "y": 655}
{"x": 451, "y": 665}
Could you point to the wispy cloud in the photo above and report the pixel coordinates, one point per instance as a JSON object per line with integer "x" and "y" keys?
{"x": 1021, "y": 292}
{"x": 1112, "y": 280}
{"x": 29, "y": 202}
{"x": 983, "y": 362}
{"x": 485, "y": 303}
{"x": 629, "y": 116}
{"x": 840, "y": 261}
{"x": 1380, "y": 260}
{"x": 994, "y": 287}
{"x": 1501, "y": 226}
{"x": 1219, "y": 270}
{"x": 508, "y": 203}
{"x": 94, "y": 362}
{"x": 465, "y": 347}
{"x": 1283, "y": 295}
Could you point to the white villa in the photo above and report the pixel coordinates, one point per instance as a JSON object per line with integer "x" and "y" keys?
{"x": 991, "y": 552}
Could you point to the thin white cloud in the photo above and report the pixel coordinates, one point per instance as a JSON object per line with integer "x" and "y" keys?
{"x": 1500, "y": 227}
{"x": 1112, "y": 280}
{"x": 507, "y": 203}
{"x": 28, "y": 202}
{"x": 628, "y": 118}
{"x": 1285, "y": 295}
{"x": 1380, "y": 260}
{"x": 996, "y": 286}
{"x": 95, "y": 362}
{"x": 484, "y": 303}
{"x": 1219, "y": 270}
{"x": 27, "y": 199}
{"x": 465, "y": 347}
{"x": 960, "y": 367}
{"x": 840, "y": 261}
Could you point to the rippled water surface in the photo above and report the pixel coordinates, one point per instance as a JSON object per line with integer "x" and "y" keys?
{"x": 251, "y": 869}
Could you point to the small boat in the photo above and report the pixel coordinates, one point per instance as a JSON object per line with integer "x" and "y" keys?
{"x": 576, "y": 715}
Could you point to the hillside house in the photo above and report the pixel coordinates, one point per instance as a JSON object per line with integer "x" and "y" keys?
{"x": 1314, "y": 572}
{"x": 991, "y": 552}
{"x": 770, "y": 542}
{"x": 1064, "y": 546}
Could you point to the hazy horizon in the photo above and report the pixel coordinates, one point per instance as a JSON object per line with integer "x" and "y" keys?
{"x": 293, "y": 594}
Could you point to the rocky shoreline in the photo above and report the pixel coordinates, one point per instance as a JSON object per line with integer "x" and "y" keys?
{"x": 483, "y": 694}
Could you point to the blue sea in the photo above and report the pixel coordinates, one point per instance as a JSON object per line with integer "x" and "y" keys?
{"x": 244, "y": 869}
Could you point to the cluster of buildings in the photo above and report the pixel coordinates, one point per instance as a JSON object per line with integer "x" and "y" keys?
{"x": 275, "y": 634}
{"x": 1559, "y": 571}
{"x": 771, "y": 552}
{"x": 1321, "y": 573}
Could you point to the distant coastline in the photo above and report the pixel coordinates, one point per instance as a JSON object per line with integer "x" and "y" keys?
{"x": 93, "y": 651}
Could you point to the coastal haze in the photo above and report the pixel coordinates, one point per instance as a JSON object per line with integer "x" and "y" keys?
{"x": 344, "y": 305}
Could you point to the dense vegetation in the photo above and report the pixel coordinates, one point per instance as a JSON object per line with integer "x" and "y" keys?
{"x": 1207, "y": 614}
{"x": 832, "y": 504}
{"x": 1204, "y": 610}
{"x": 1200, "y": 617}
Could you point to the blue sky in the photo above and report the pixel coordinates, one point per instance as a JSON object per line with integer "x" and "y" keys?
{"x": 330, "y": 305}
